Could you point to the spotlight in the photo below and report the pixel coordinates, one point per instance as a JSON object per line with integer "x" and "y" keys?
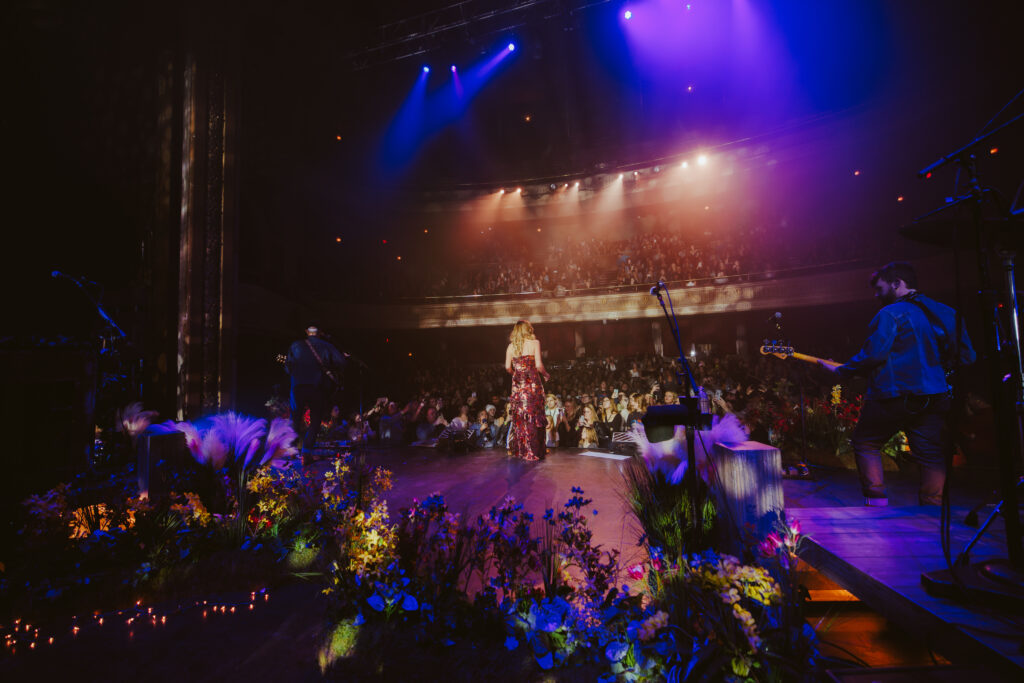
{"x": 856, "y": 172}
{"x": 519, "y": 190}
{"x": 621, "y": 176}
{"x": 501, "y": 191}
{"x": 702, "y": 160}
{"x": 426, "y": 69}
{"x": 900, "y": 198}
{"x": 627, "y": 14}
{"x": 511, "y": 47}
{"x": 453, "y": 68}
{"x": 566, "y": 185}
{"x": 657, "y": 169}
{"x": 685, "y": 164}
{"x": 636, "y": 173}
{"x": 552, "y": 186}
{"x": 577, "y": 183}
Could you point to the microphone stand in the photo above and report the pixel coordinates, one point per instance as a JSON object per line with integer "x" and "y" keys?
{"x": 692, "y": 419}
{"x": 999, "y": 578}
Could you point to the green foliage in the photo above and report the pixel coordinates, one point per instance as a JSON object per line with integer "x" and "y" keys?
{"x": 672, "y": 519}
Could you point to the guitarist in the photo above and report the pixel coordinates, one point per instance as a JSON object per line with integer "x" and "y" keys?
{"x": 911, "y": 346}
{"x": 315, "y": 367}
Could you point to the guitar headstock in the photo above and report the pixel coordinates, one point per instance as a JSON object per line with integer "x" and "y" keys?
{"x": 776, "y": 348}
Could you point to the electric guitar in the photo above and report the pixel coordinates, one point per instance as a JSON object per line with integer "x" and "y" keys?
{"x": 785, "y": 352}
{"x": 330, "y": 374}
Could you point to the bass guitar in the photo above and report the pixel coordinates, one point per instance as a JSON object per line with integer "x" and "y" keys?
{"x": 785, "y": 352}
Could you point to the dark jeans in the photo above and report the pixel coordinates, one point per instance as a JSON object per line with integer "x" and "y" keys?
{"x": 316, "y": 399}
{"x": 923, "y": 420}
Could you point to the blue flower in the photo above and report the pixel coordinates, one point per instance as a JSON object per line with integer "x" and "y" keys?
{"x": 376, "y": 602}
{"x": 360, "y": 619}
{"x": 616, "y": 651}
{"x": 409, "y": 603}
{"x": 511, "y": 643}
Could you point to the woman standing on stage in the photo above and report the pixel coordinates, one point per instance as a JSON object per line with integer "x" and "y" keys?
{"x": 523, "y": 361}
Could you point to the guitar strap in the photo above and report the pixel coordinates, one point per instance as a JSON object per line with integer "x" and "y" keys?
{"x": 320, "y": 361}
{"x": 945, "y": 347}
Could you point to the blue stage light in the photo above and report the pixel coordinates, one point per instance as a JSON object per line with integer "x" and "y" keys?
{"x": 426, "y": 69}
{"x": 628, "y": 14}
{"x": 453, "y": 68}
{"x": 511, "y": 47}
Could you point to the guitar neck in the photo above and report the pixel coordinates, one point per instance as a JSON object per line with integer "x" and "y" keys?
{"x": 814, "y": 359}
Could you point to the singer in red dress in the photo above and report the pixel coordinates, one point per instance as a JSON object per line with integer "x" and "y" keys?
{"x": 523, "y": 361}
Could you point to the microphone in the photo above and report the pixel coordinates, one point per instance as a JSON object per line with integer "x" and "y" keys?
{"x": 658, "y": 287}
{"x": 775, "y": 317}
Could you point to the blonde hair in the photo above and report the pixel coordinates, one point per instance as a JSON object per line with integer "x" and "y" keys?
{"x": 521, "y": 332}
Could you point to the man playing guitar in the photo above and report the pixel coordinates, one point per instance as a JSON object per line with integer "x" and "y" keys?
{"x": 315, "y": 368}
{"x": 912, "y": 344}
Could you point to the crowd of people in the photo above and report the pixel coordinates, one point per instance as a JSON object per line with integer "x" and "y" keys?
{"x": 572, "y": 264}
{"x": 587, "y": 401}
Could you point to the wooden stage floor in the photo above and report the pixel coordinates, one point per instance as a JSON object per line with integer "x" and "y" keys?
{"x": 878, "y": 554}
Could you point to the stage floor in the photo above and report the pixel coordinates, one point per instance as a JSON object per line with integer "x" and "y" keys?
{"x": 878, "y": 554}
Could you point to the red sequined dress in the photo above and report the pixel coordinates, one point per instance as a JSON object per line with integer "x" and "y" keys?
{"x": 526, "y": 433}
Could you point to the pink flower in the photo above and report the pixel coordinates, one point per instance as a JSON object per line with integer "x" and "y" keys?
{"x": 636, "y": 572}
{"x": 656, "y": 564}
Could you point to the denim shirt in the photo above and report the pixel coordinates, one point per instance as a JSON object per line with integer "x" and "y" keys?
{"x": 901, "y": 356}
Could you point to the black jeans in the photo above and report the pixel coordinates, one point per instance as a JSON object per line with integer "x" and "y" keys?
{"x": 316, "y": 399}
{"x": 924, "y": 420}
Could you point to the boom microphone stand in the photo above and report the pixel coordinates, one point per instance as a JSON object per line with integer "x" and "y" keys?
{"x": 1002, "y": 578}
{"x": 690, "y": 413}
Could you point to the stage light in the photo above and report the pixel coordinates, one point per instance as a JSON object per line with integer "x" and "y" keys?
{"x": 657, "y": 169}
{"x": 527, "y": 118}
{"x": 501, "y": 191}
{"x": 552, "y": 186}
{"x": 856, "y": 173}
{"x": 900, "y": 198}
{"x": 627, "y": 14}
{"x": 621, "y": 176}
{"x": 425, "y": 231}
{"x": 689, "y": 88}
{"x": 636, "y": 173}
{"x": 383, "y": 241}
{"x": 426, "y": 69}
{"x": 538, "y": 229}
{"x": 685, "y": 164}
{"x": 519, "y": 190}
{"x": 928, "y": 175}
{"x": 577, "y": 183}
{"x": 337, "y": 239}
{"x": 702, "y": 160}
{"x": 453, "y": 68}
{"x": 511, "y": 47}
{"x": 398, "y": 258}
{"x": 688, "y": 6}
{"x": 338, "y": 138}
{"x": 994, "y": 150}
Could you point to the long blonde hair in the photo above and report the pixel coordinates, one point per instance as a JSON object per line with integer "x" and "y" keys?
{"x": 521, "y": 332}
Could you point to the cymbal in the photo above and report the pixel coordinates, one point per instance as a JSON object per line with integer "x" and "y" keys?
{"x": 996, "y": 232}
